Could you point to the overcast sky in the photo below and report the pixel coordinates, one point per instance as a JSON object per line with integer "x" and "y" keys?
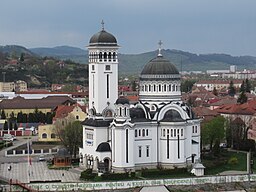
{"x": 198, "y": 26}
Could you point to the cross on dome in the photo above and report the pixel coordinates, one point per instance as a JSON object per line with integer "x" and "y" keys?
{"x": 102, "y": 24}
{"x": 160, "y": 43}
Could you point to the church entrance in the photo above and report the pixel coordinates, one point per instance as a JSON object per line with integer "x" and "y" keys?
{"x": 106, "y": 165}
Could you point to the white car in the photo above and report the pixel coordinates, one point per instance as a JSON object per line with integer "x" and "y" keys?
{"x": 41, "y": 158}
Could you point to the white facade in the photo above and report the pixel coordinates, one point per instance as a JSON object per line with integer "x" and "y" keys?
{"x": 158, "y": 131}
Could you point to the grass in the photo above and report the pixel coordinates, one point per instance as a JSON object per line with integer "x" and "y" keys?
{"x": 215, "y": 165}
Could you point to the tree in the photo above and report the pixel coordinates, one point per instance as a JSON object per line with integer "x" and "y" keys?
{"x": 213, "y": 132}
{"x": 3, "y": 116}
{"x": 187, "y": 85}
{"x": 5, "y": 125}
{"x": 15, "y": 126}
{"x": 70, "y": 133}
{"x": 242, "y": 98}
{"x": 242, "y": 88}
{"x": 231, "y": 89}
{"x": 134, "y": 85}
{"x": 247, "y": 86}
{"x": 214, "y": 91}
{"x": 19, "y": 117}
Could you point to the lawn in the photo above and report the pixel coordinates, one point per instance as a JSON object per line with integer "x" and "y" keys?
{"x": 216, "y": 165}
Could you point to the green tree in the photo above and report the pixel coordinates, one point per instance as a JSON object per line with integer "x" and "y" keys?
{"x": 242, "y": 98}
{"x": 70, "y": 134}
{"x": 10, "y": 125}
{"x": 186, "y": 86}
{"x": 242, "y": 87}
{"x": 231, "y": 89}
{"x": 15, "y": 126}
{"x": 134, "y": 85}
{"x": 213, "y": 132}
{"x": 3, "y": 116}
{"x": 248, "y": 86}
{"x": 214, "y": 91}
{"x": 19, "y": 117}
{"x": 5, "y": 125}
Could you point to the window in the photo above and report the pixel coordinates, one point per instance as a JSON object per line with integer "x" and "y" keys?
{"x": 181, "y": 132}
{"x": 147, "y": 151}
{"x": 114, "y": 56}
{"x": 93, "y": 67}
{"x": 44, "y": 135}
{"x": 174, "y": 132}
{"x": 143, "y": 132}
{"x": 171, "y": 132}
{"x": 159, "y": 88}
{"x": 136, "y": 132}
{"x": 77, "y": 117}
{"x": 139, "y": 132}
{"x": 89, "y": 136}
{"x": 193, "y": 129}
{"x": 139, "y": 151}
{"x": 146, "y": 132}
{"x": 53, "y": 136}
{"x": 164, "y": 133}
{"x": 107, "y": 85}
{"x": 107, "y": 67}
{"x": 167, "y": 131}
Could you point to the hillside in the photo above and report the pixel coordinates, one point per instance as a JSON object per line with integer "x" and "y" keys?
{"x": 15, "y": 50}
{"x": 133, "y": 63}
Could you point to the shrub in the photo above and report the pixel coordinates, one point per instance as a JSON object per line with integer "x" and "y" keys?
{"x": 233, "y": 161}
{"x": 157, "y": 172}
{"x": 115, "y": 176}
{"x": 88, "y": 175}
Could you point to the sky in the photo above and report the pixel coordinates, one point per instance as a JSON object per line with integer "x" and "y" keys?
{"x": 197, "y": 26}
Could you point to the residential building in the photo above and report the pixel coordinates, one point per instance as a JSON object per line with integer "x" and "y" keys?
{"x": 210, "y": 84}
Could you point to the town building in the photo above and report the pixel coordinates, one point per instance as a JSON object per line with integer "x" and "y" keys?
{"x": 13, "y": 86}
{"x": 159, "y": 131}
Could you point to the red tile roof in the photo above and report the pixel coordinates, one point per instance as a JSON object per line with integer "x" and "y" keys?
{"x": 248, "y": 108}
{"x": 45, "y": 103}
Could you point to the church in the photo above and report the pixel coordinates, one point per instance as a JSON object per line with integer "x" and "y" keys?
{"x": 159, "y": 131}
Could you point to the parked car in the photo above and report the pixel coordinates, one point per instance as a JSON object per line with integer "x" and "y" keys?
{"x": 7, "y": 137}
{"x": 41, "y": 158}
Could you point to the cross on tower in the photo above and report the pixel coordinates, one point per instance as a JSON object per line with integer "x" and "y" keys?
{"x": 102, "y": 24}
{"x": 160, "y": 43}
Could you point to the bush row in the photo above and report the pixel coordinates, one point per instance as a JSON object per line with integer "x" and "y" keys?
{"x": 159, "y": 172}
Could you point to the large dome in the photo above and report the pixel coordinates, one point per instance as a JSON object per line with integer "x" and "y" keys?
{"x": 103, "y": 38}
{"x": 159, "y": 66}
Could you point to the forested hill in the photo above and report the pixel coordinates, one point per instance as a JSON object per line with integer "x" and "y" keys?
{"x": 133, "y": 63}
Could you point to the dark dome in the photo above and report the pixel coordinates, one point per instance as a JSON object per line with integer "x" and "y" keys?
{"x": 103, "y": 147}
{"x": 122, "y": 100}
{"x": 103, "y": 38}
{"x": 159, "y": 66}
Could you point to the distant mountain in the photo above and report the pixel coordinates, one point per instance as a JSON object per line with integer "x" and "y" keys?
{"x": 59, "y": 51}
{"x": 15, "y": 49}
{"x": 133, "y": 63}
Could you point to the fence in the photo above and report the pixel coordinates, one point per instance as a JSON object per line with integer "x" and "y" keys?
{"x": 141, "y": 183}
{"x": 24, "y": 152}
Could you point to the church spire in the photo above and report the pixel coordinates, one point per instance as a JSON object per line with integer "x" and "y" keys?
{"x": 160, "y": 43}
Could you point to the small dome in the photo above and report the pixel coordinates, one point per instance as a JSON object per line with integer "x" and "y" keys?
{"x": 103, "y": 38}
{"x": 103, "y": 147}
{"x": 159, "y": 66}
{"x": 122, "y": 100}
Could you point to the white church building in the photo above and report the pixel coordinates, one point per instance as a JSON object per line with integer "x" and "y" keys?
{"x": 158, "y": 131}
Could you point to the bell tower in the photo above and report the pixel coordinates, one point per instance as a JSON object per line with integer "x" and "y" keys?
{"x": 103, "y": 73}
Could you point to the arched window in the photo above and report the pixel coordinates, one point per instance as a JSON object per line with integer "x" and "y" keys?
{"x": 154, "y": 88}
{"x": 146, "y": 132}
{"x": 105, "y": 56}
{"x": 181, "y": 132}
{"x": 114, "y": 56}
{"x": 149, "y": 88}
{"x": 44, "y": 135}
{"x": 146, "y": 88}
{"x": 159, "y": 88}
{"x": 164, "y": 87}
{"x": 109, "y": 56}
{"x": 53, "y": 136}
{"x": 139, "y": 132}
{"x": 100, "y": 56}
{"x": 136, "y": 133}
{"x": 125, "y": 111}
{"x": 77, "y": 117}
{"x": 173, "y": 87}
{"x": 176, "y": 87}
{"x": 143, "y": 132}
{"x": 164, "y": 133}
{"x": 120, "y": 111}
